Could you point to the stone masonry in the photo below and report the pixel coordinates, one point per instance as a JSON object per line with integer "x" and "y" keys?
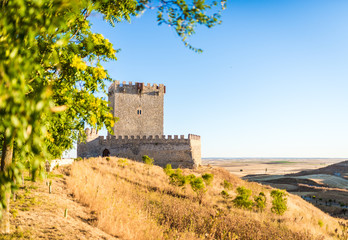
{"x": 139, "y": 130}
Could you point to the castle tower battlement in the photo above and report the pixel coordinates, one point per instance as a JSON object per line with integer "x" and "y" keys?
{"x": 136, "y": 88}
{"x": 91, "y": 134}
{"x": 138, "y": 106}
{"x": 139, "y": 130}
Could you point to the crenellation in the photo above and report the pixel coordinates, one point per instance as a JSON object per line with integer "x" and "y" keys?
{"x": 139, "y": 130}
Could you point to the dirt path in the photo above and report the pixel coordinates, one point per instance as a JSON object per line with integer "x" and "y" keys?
{"x": 36, "y": 214}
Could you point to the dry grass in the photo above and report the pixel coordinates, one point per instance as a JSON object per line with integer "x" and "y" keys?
{"x": 137, "y": 202}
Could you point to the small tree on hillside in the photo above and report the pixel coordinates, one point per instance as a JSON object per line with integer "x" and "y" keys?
{"x": 197, "y": 185}
{"x": 227, "y": 185}
{"x": 147, "y": 160}
{"x": 208, "y": 178}
{"x": 177, "y": 178}
{"x": 260, "y": 201}
{"x": 279, "y": 203}
{"x": 168, "y": 169}
{"x": 243, "y": 198}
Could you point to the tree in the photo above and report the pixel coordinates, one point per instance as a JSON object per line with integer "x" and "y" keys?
{"x": 260, "y": 201}
{"x": 208, "y": 178}
{"x": 279, "y": 203}
{"x": 50, "y": 69}
{"x": 242, "y": 200}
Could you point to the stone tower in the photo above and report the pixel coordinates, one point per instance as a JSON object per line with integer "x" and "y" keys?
{"x": 139, "y": 108}
{"x": 139, "y": 130}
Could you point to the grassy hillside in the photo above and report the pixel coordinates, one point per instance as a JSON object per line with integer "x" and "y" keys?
{"x": 132, "y": 200}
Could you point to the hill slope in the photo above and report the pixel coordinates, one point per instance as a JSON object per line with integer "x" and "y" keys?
{"x": 137, "y": 201}
{"x": 117, "y": 198}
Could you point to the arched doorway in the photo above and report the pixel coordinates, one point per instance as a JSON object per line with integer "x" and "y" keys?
{"x": 106, "y": 153}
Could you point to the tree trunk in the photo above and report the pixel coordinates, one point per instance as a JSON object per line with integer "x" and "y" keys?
{"x": 6, "y": 160}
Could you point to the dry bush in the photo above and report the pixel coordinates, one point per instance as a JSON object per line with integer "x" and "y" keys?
{"x": 138, "y": 202}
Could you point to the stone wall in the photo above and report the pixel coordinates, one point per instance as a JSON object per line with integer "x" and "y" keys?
{"x": 139, "y": 108}
{"x": 175, "y": 150}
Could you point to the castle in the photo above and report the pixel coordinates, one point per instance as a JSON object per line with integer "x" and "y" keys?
{"x": 139, "y": 130}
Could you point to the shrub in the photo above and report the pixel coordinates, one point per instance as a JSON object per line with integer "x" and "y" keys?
{"x": 242, "y": 199}
{"x": 197, "y": 184}
{"x": 320, "y": 223}
{"x": 279, "y": 203}
{"x": 122, "y": 162}
{"x": 227, "y": 185}
{"x": 177, "y": 179}
{"x": 260, "y": 201}
{"x": 107, "y": 158}
{"x": 190, "y": 178}
{"x": 208, "y": 178}
{"x": 225, "y": 194}
{"x": 77, "y": 159}
{"x": 168, "y": 169}
{"x": 147, "y": 160}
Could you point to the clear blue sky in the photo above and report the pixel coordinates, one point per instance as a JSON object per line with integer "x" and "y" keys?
{"x": 271, "y": 82}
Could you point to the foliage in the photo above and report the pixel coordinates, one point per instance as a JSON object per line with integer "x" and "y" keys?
{"x": 24, "y": 96}
{"x": 168, "y": 169}
{"x": 227, "y": 185}
{"x": 242, "y": 200}
{"x": 177, "y": 178}
{"x": 225, "y": 194}
{"x": 279, "y": 203}
{"x": 197, "y": 184}
{"x": 147, "y": 160}
{"x": 260, "y": 201}
{"x": 208, "y": 178}
{"x": 122, "y": 162}
{"x": 184, "y": 17}
{"x": 320, "y": 223}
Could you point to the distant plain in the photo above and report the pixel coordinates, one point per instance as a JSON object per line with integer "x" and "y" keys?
{"x": 273, "y": 166}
